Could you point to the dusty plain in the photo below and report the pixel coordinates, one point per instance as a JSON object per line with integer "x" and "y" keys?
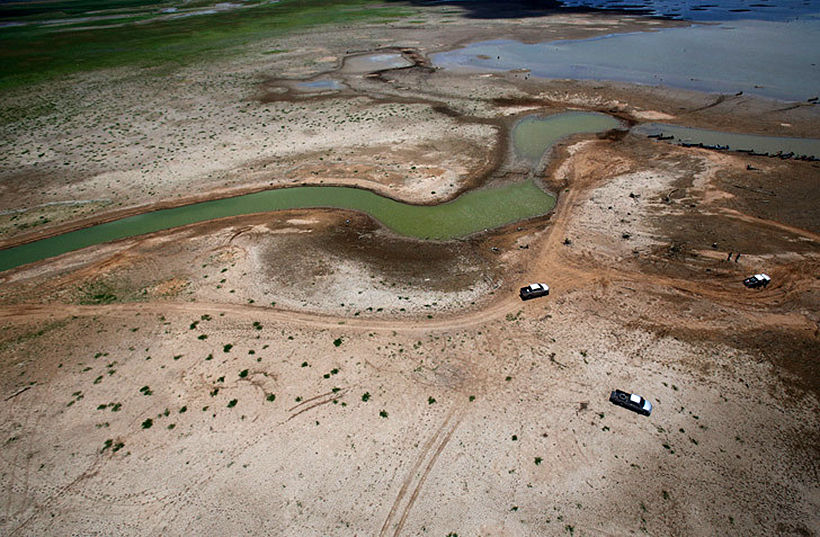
{"x": 308, "y": 372}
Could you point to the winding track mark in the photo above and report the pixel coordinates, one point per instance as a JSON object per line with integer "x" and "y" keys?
{"x": 440, "y": 439}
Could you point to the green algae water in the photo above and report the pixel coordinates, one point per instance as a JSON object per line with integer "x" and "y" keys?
{"x": 472, "y": 212}
{"x": 533, "y": 135}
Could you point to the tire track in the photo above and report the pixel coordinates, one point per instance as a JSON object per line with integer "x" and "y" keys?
{"x": 415, "y": 479}
{"x": 319, "y": 400}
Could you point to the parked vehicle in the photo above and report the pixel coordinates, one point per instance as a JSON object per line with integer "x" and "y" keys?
{"x": 534, "y": 290}
{"x": 631, "y": 401}
{"x": 758, "y": 280}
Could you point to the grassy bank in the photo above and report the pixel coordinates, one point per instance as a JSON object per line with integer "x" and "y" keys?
{"x": 140, "y": 33}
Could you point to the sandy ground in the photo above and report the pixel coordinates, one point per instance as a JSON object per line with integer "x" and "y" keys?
{"x": 309, "y": 373}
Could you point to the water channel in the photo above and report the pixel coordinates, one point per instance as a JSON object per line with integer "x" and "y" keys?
{"x": 469, "y": 213}
{"x": 474, "y": 211}
{"x": 731, "y": 141}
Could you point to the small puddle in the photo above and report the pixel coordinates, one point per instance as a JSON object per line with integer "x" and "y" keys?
{"x": 778, "y": 146}
{"x": 533, "y": 135}
{"x": 320, "y": 85}
{"x": 367, "y": 63}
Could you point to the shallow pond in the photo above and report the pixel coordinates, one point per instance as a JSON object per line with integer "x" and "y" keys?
{"x": 323, "y": 84}
{"x": 779, "y": 60}
{"x": 533, "y": 135}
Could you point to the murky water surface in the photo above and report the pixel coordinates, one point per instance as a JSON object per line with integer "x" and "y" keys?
{"x": 323, "y": 84}
{"x": 533, "y": 135}
{"x": 717, "y": 10}
{"x": 469, "y": 213}
{"x": 779, "y": 60}
{"x": 771, "y": 145}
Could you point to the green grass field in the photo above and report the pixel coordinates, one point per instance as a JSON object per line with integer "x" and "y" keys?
{"x": 142, "y": 35}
